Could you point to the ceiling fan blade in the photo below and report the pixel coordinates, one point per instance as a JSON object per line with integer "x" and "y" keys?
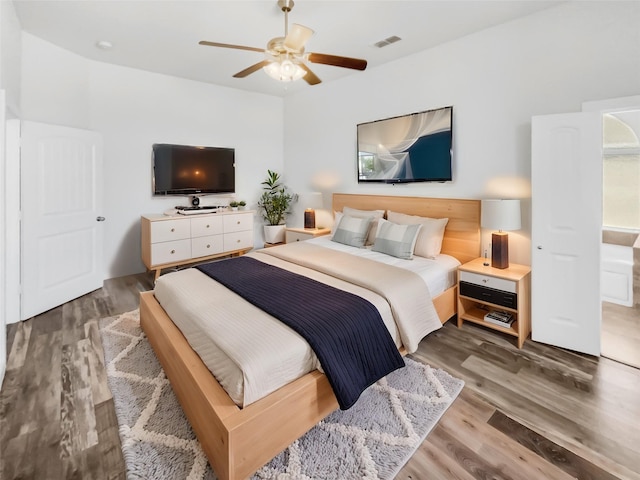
{"x": 336, "y": 61}
{"x": 297, "y": 37}
{"x": 253, "y": 68}
{"x": 227, "y": 45}
{"x": 311, "y": 78}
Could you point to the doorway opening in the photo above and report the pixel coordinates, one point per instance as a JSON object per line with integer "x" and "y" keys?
{"x": 620, "y": 254}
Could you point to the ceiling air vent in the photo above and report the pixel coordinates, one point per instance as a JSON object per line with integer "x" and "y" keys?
{"x": 387, "y": 41}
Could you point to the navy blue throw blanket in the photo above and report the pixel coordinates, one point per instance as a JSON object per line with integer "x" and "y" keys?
{"x": 345, "y": 331}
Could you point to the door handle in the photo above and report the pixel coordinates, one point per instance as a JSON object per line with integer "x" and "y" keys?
{"x": 100, "y": 219}
{"x": 539, "y": 247}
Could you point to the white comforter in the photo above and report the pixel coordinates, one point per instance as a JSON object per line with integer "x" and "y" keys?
{"x": 250, "y": 353}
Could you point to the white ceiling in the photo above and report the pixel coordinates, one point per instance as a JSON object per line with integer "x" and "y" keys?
{"x": 162, "y": 36}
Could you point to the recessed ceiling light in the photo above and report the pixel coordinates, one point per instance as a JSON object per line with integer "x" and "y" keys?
{"x": 104, "y": 45}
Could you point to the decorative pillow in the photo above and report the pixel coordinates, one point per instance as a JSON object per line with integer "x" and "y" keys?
{"x": 374, "y": 214}
{"x": 396, "y": 240}
{"x": 429, "y": 242}
{"x": 352, "y": 231}
{"x": 337, "y": 216}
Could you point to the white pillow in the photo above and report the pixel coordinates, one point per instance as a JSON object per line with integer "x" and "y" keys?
{"x": 396, "y": 240}
{"x": 429, "y": 242}
{"x": 352, "y": 231}
{"x": 373, "y": 214}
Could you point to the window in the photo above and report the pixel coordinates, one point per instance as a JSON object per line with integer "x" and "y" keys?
{"x": 621, "y": 170}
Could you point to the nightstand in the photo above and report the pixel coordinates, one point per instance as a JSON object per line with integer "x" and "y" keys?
{"x": 301, "y": 234}
{"x": 483, "y": 289}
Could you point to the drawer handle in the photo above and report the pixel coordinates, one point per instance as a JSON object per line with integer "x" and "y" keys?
{"x": 238, "y": 222}
{"x": 485, "y": 280}
{"x": 207, "y": 226}
{"x": 172, "y": 252}
{"x": 208, "y": 246}
{"x": 173, "y": 229}
{"x": 238, "y": 241}
{"x": 485, "y": 294}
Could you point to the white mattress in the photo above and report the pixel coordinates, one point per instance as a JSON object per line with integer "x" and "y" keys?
{"x": 205, "y": 311}
{"x": 438, "y": 273}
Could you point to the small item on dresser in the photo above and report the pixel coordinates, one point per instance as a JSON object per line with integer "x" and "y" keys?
{"x": 502, "y": 319}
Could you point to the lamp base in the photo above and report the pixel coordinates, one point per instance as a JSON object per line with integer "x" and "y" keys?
{"x": 500, "y": 250}
{"x": 309, "y": 218}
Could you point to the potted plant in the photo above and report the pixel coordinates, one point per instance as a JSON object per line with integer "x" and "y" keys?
{"x": 242, "y": 204}
{"x": 274, "y": 204}
{"x": 234, "y": 205}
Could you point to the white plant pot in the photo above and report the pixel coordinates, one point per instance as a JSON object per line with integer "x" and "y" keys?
{"x": 274, "y": 233}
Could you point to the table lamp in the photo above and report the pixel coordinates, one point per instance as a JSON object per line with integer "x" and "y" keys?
{"x": 500, "y": 215}
{"x": 311, "y": 202}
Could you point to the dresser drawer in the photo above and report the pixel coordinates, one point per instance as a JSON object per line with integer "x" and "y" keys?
{"x": 169, "y": 252}
{"x": 167, "y": 230}
{"x": 204, "y": 246}
{"x": 205, "y": 226}
{"x": 238, "y": 240}
{"x": 490, "y": 295}
{"x": 298, "y": 237}
{"x": 238, "y": 222}
{"x": 488, "y": 281}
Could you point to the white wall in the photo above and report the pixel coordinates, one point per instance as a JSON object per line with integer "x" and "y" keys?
{"x": 55, "y": 84}
{"x": 134, "y": 109}
{"x": 496, "y": 79}
{"x": 549, "y": 62}
{"x": 10, "y": 46}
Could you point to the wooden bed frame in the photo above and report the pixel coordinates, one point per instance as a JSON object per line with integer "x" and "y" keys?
{"x": 238, "y": 441}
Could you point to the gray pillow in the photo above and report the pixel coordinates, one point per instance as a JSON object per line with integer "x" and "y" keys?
{"x": 352, "y": 231}
{"x": 374, "y": 214}
{"x": 396, "y": 240}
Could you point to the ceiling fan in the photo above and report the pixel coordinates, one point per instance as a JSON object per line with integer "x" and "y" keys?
{"x": 285, "y": 56}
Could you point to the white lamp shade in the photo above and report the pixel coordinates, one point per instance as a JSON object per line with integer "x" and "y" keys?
{"x": 501, "y": 214}
{"x": 284, "y": 70}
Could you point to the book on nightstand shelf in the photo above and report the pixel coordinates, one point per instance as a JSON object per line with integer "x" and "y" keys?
{"x": 502, "y": 319}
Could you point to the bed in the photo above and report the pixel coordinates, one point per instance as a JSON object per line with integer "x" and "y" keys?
{"x": 238, "y": 441}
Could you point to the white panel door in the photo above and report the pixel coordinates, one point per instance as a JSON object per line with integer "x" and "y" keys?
{"x": 566, "y": 176}
{"x": 62, "y": 231}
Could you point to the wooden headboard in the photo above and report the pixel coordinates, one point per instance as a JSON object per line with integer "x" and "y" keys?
{"x": 462, "y": 235}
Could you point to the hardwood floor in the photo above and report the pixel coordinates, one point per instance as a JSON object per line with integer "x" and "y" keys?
{"x": 57, "y": 419}
{"x": 621, "y": 333}
{"x": 535, "y": 413}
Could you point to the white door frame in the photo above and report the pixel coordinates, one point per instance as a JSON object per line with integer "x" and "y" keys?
{"x": 12, "y": 206}
{"x": 3, "y": 230}
{"x": 612, "y": 105}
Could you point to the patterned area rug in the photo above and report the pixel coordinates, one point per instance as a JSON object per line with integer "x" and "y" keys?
{"x": 372, "y": 440}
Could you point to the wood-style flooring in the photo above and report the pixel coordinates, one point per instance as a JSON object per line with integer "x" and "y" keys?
{"x": 57, "y": 419}
{"x": 621, "y": 333}
{"x": 535, "y": 413}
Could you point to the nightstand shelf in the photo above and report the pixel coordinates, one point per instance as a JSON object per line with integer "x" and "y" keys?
{"x": 482, "y": 289}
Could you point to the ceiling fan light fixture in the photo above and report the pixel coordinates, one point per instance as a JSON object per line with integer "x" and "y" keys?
{"x": 285, "y": 57}
{"x": 284, "y": 70}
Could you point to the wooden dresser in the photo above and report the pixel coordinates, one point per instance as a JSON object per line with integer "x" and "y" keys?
{"x": 173, "y": 240}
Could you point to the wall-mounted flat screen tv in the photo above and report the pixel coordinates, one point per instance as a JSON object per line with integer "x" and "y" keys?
{"x": 410, "y": 148}
{"x": 191, "y": 170}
